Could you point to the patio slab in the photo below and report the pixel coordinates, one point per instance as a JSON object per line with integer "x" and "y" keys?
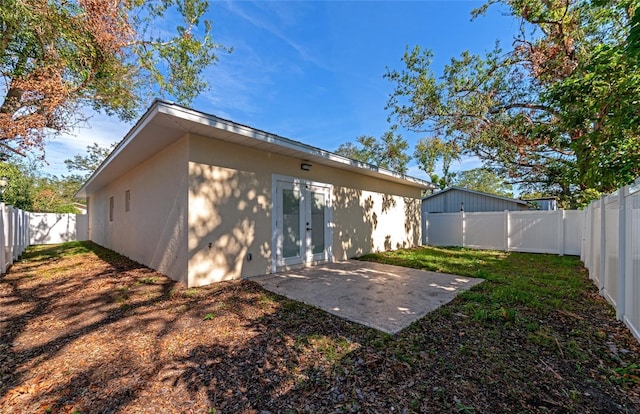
{"x": 384, "y": 297}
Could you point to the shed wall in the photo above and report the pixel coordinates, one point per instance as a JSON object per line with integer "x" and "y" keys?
{"x": 154, "y": 230}
{"x": 451, "y": 202}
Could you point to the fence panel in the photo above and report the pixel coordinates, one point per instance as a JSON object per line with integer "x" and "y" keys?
{"x": 573, "y": 225}
{"x": 534, "y": 231}
{"x": 632, "y": 265}
{"x": 52, "y": 228}
{"x": 444, "y": 229}
{"x": 595, "y": 250}
{"x": 610, "y": 257}
{"x": 485, "y": 230}
{"x": 558, "y": 232}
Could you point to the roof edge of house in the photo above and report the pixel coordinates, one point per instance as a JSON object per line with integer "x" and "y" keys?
{"x": 170, "y": 108}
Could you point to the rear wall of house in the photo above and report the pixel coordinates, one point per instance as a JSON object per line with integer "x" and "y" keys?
{"x": 230, "y": 210}
{"x": 154, "y": 230}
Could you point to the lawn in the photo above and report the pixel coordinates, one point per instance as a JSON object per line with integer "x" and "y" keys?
{"x": 84, "y": 330}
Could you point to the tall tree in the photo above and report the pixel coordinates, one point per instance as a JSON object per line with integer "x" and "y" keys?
{"x": 521, "y": 110}
{"x": 484, "y": 180}
{"x": 58, "y": 55}
{"x": 16, "y": 185}
{"x": 83, "y": 165}
{"x": 429, "y": 150}
{"x": 389, "y": 152}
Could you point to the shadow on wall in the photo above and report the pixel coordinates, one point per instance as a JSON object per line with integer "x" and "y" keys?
{"x": 50, "y": 228}
{"x": 229, "y": 224}
{"x": 412, "y": 222}
{"x": 354, "y": 222}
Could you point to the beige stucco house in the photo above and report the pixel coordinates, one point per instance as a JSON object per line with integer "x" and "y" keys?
{"x": 202, "y": 199}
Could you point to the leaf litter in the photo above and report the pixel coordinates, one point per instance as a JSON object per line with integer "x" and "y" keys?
{"x": 84, "y": 330}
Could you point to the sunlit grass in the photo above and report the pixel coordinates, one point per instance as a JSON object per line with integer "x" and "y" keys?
{"x": 536, "y": 281}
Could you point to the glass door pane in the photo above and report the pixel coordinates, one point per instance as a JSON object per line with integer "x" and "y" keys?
{"x": 290, "y": 223}
{"x": 318, "y": 204}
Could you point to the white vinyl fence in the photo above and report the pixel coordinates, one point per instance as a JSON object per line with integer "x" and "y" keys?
{"x": 19, "y": 229}
{"x": 53, "y": 228}
{"x": 611, "y": 251}
{"x": 14, "y": 234}
{"x": 557, "y": 232}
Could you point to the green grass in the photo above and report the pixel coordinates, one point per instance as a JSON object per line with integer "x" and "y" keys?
{"x": 56, "y": 251}
{"x": 513, "y": 280}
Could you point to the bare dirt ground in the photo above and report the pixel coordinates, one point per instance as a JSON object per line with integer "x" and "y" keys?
{"x": 84, "y": 330}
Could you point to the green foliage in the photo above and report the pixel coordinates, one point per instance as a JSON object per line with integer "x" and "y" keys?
{"x": 556, "y": 113}
{"x": 429, "y": 150}
{"x": 484, "y": 180}
{"x": 85, "y": 164}
{"x": 59, "y": 56}
{"x": 389, "y": 152}
{"x": 28, "y": 191}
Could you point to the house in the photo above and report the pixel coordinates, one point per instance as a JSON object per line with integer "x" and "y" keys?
{"x": 203, "y": 199}
{"x": 455, "y": 199}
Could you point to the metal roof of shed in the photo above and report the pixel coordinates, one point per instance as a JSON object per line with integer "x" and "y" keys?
{"x": 515, "y": 200}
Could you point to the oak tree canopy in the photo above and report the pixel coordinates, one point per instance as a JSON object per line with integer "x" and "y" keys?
{"x": 58, "y": 56}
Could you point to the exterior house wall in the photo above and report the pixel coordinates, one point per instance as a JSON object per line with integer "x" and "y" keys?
{"x": 451, "y": 202}
{"x": 154, "y": 231}
{"x": 230, "y": 210}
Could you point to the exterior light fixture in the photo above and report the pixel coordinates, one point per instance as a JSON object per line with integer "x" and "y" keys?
{"x": 305, "y": 167}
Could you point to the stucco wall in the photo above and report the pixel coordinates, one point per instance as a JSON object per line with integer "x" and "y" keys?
{"x": 154, "y": 231}
{"x": 230, "y": 207}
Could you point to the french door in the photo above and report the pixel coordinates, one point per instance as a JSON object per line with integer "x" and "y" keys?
{"x": 302, "y": 228}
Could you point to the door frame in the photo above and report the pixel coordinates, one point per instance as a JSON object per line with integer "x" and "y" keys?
{"x": 275, "y": 235}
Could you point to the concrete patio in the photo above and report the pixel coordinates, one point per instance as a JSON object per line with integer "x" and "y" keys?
{"x": 384, "y": 297}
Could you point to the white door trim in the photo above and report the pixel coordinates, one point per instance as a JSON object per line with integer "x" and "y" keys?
{"x": 276, "y": 239}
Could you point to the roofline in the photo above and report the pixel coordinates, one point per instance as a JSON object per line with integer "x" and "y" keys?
{"x": 169, "y": 108}
{"x": 265, "y": 136}
{"x": 476, "y": 192}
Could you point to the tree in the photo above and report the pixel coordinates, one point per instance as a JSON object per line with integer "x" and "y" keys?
{"x": 26, "y": 190}
{"x": 57, "y": 56}
{"x": 18, "y": 185}
{"x": 389, "y": 152}
{"x": 428, "y": 151}
{"x": 85, "y": 164}
{"x": 520, "y": 110}
{"x": 484, "y": 180}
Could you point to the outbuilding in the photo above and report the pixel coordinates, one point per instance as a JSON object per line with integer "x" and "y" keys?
{"x": 203, "y": 199}
{"x": 455, "y": 199}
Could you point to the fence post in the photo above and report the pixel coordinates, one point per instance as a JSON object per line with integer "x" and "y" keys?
{"x": 628, "y": 251}
{"x": 506, "y": 230}
{"x": 561, "y": 217}
{"x": 622, "y": 238}
{"x": 603, "y": 242}
{"x": 425, "y": 219}
{"x": 463, "y": 227}
{"x": 3, "y": 242}
{"x": 9, "y": 235}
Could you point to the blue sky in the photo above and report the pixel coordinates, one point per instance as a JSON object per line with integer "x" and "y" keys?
{"x": 313, "y": 70}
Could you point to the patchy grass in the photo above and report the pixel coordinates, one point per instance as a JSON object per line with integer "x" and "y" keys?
{"x": 83, "y": 329}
